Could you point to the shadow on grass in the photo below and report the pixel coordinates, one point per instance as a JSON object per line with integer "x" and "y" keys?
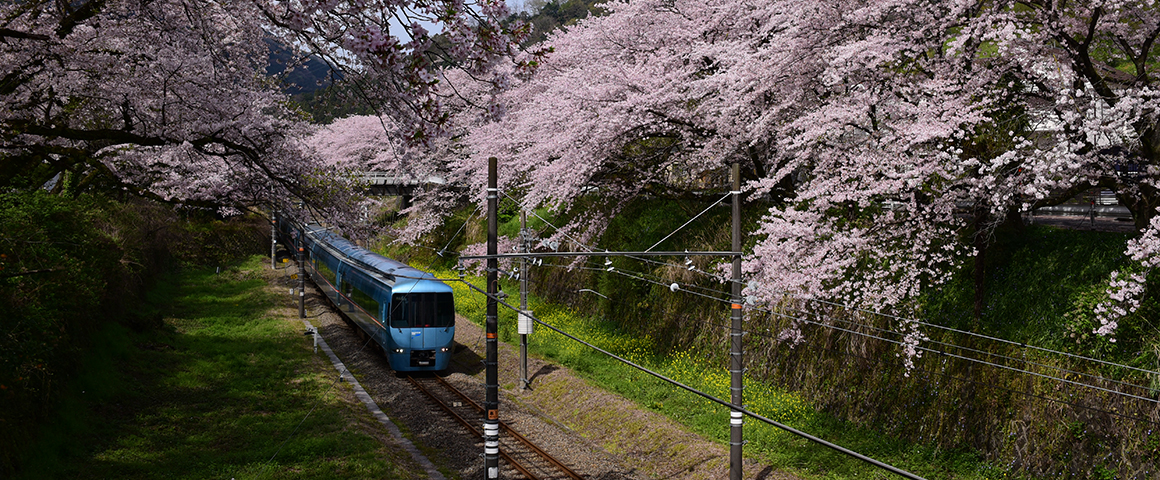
{"x": 235, "y": 396}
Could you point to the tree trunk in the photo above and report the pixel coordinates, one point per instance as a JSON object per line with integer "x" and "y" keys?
{"x": 980, "y": 273}
{"x": 1143, "y": 208}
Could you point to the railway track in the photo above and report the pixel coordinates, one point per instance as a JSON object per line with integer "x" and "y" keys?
{"x": 518, "y": 452}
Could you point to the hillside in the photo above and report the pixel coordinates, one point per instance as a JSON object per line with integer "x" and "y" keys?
{"x": 968, "y": 392}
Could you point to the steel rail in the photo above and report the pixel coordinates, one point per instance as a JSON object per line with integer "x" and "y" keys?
{"x": 564, "y": 468}
{"x": 511, "y": 461}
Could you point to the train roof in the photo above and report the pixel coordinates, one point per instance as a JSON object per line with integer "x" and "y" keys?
{"x": 366, "y": 258}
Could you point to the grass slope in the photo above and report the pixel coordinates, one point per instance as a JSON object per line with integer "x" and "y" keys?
{"x": 228, "y": 389}
{"x": 769, "y": 445}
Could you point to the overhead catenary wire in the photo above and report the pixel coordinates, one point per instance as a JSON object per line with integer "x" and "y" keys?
{"x": 691, "y": 220}
{"x": 901, "y": 334}
{"x": 986, "y": 337}
{"x": 912, "y": 321}
{"x": 961, "y": 357}
{"x": 457, "y": 232}
{"x": 723, "y": 298}
{"x": 966, "y": 380}
{"x": 957, "y": 378}
{"x": 961, "y": 379}
{"x": 887, "y": 315}
{"x": 929, "y": 371}
{"x": 704, "y": 395}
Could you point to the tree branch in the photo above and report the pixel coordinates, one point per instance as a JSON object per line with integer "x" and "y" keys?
{"x": 10, "y": 33}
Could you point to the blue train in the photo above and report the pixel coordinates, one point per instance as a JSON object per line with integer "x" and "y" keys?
{"x": 406, "y": 311}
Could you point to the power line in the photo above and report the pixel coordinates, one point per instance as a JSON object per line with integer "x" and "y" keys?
{"x": 461, "y": 227}
{"x": 711, "y": 398}
{"x": 966, "y": 380}
{"x": 984, "y": 362}
{"x": 927, "y": 340}
{"x": 924, "y": 370}
{"x": 691, "y": 220}
{"x": 962, "y": 357}
{"x": 891, "y": 316}
{"x": 996, "y": 339}
{"x": 920, "y": 348}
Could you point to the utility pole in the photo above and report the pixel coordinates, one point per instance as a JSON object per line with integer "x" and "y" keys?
{"x": 525, "y": 322}
{"x": 491, "y": 363}
{"x": 737, "y": 366}
{"x": 301, "y": 280}
{"x": 273, "y": 241}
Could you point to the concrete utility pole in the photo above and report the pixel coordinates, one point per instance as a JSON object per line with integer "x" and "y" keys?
{"x": 737, "y": 366}
{"x": 273, "y": 241}
{"x": 525, "y": 321}
{"x": 301, "y": 280}
{"x": 491, "y": 362}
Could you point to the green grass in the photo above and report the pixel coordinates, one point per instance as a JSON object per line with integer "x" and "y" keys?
{"x": 223, "y": 391}
{"x": 691, "y": 367}
{"x": 1042, "y": 289}
{"x": 1042, "y": 286}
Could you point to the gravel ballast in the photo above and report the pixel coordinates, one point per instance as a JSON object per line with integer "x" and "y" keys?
{"x": 599, "y": 434}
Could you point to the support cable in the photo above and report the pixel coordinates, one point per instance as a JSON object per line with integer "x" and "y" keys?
{"x": 887, "y": 315}
{"x": 929, "y": 371}
{"x": 1009, "y": 342}
{"x": 461, "y": 227}
{"x": 888, "y": 331}
{"x": 898, "y": 342}
{"x": 713, "y": 399}
{"x": 953, "y": 377}
{"x": 915, "y": 321}
{"x": 961, "y": 357}
{"x": 691, "y": 220}
{"x": 884, "y": 330}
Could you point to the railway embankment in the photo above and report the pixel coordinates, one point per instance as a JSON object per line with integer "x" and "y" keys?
{"x": 1013, "y": 395}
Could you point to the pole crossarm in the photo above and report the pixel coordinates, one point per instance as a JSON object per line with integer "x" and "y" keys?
{"x": 601, "y": 254}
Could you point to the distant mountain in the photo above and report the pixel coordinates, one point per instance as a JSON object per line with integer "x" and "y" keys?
{"x": 298, "y": 74}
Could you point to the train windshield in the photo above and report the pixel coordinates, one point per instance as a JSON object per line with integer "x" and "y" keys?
{"x": 421, "y": 310}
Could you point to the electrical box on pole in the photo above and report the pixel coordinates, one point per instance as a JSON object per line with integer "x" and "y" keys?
{"x": 526, "y": 325}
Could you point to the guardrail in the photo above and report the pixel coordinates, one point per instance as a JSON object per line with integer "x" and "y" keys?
{"x": 385, "y": 178}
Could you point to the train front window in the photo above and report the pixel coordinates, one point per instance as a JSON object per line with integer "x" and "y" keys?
{"x": 421, "y": 310}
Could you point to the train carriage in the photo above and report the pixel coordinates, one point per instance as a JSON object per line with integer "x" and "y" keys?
{"x": 408, "y": 313}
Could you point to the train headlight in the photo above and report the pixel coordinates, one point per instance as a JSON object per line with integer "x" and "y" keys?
{"x": 445, "y": 349}
{"x": 398, "y": 350}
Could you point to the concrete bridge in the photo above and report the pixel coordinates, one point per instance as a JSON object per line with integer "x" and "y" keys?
{"x": 389, "y": 184}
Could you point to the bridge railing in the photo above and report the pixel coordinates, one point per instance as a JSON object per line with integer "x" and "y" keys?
{"x": 390, "y": 179}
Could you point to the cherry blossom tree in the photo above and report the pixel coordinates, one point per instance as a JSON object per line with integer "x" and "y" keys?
{"x": 385, "y": 49}
{"x": 1086, "y": 72}
{"x": 607, "y": 112}
{"x": 167, "y": 98}
{"x": 159, "y": 98}
{"x": 896, "y": 134}
{"x": 930, "y": 122}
